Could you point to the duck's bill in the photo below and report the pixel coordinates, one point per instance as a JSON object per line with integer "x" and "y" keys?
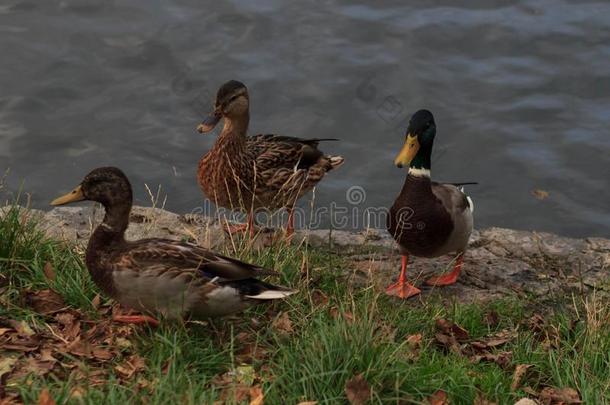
{"x": 72, "y": 196}
{"x": 408, "y": 151}
{"x": 209, "y": 122}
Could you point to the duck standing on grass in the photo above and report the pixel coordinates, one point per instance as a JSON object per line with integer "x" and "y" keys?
{"x": 257, "y": 172}
{"x": 161, "y": 276}
{"x": 427, "y": 219}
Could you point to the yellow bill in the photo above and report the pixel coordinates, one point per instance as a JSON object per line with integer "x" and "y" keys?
{"x": 408, "y": 151}
{"x": 72, "y": 196}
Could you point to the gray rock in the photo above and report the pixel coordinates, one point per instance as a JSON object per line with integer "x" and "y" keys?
{"x": 499, "y": 261}
{"x": 76, "y": 224}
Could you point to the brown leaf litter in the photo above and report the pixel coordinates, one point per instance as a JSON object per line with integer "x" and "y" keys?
{"x": 438, "y": 398}
{"x": 239, "y": 385}
{"x": 357, "y": 390}
{"x": 454, "y": 338}
{"x": 64, "y": 343}
{"x": 283, "y": 325}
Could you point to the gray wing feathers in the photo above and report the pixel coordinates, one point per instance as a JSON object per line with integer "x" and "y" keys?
{"x": 460, "y": 208}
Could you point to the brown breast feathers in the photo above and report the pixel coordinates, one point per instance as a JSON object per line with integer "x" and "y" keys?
{"x": 418, "y": 221}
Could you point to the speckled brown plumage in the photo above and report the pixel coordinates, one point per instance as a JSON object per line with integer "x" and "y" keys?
{"x": 162, "y": 276}
{"x": 263, "y": 171}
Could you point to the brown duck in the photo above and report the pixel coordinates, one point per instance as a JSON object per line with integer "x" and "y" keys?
{"x": 161, "y": 276}
{"x": 257, "y": 172}
{"x": 427, "y": 219}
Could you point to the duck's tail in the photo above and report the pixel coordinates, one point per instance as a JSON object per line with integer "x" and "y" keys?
{"x": 272, "y": 295}
{"x": 260, "y": 290}
{"x": 468, "y": 183}
{"x": 335, "y": 161}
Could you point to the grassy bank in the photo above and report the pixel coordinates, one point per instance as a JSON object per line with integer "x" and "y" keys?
{"x": 329, "y": 343}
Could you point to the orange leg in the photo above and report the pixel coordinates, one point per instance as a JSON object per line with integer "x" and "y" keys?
{"x": 403, "y": 289}
{"x": 290, "y": 226}
{"x": 136, "y": 319}
{"x": 449, "y": 278}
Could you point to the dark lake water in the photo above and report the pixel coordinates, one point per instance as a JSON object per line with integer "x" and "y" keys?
{"x": 520, "y": 91}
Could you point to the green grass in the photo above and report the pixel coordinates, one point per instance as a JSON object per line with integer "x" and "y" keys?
{"x": 356, "y": 330}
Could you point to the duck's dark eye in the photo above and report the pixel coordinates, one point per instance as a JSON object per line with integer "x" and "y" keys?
{"x": 233, "y": 98}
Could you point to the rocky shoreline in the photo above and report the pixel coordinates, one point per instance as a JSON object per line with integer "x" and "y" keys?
{"x": 499, "y": 262}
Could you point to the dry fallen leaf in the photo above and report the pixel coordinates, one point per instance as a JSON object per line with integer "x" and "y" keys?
{"x": 45, "y": 398}
{"x": 251, "y": 352}
{"x": 448, "y": 342}
{"x": 319, "y": 298}
{"x": 48, "y": 271}
{"x": 96, "y": 301}
{"x": 530, "y": 390}
{"x": 70, "y": 325}
{"x": 502, "y": 359}
{"x": 22, "y": 328}
{"x": 490, "y": 342}
{"x": 540, "y": 194}
{"x": 414, "y": 341}
{"x": 439, "y": 398}
{"x": 44, "y": 301}
{"x": 245, "y": 375}
{"x": 413, "y": 346}
{"x": 357, "y": 390}
{"x": 481, "y": 400}
{"x": 256, "y": 395}
{"x": 559, "y": 396}
{"x": 131, "y": 366}
{"x": 492, "y": 319}
{"x": 526, "y": 401}
{"x": 40, "y": 364}
{"x": 77, "y": 393}
{"x": 102, "y": 354}
{"x": 234, "y": 394}
{"x": 346, "y": 315}
{"x": 520, "y": 371}
{"x": 21, "y": 346}
{"x": 308, "y": 403}
{"x": 283, "y": 324}
{"x": 536, "y": 323}
{"x": 6, "y": 364}
{"x": 449, "y": 328}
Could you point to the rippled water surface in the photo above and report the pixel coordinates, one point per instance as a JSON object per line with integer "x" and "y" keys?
{"x": 520, "y": 91}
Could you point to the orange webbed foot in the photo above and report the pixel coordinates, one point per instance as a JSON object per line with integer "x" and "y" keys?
{"x": 402, "y": 290}
{"x": 444, "y": 280}
{"x": 449, "y": 278}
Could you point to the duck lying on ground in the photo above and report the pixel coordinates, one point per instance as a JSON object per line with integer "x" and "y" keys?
{"x": 161, "y": 276}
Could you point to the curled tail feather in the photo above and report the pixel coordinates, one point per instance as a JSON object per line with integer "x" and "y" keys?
{"x": 335, "y": 161}
{"x": 271, "y": 295}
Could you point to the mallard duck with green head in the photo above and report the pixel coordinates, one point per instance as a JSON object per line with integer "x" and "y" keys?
{"x": 250, "y": 173}
{"x": 161, "y": 277}
{"x": 428, "y": 219}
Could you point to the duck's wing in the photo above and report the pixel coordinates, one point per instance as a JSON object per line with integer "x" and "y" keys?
{"x": 455, "y": 201}
{"x": 287, "y": 167}
{"x": 166, "y": 255}
{"x": 277, "y": 151}
{"x": 460, "y": 207}
{"x": 175, "y": 279}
